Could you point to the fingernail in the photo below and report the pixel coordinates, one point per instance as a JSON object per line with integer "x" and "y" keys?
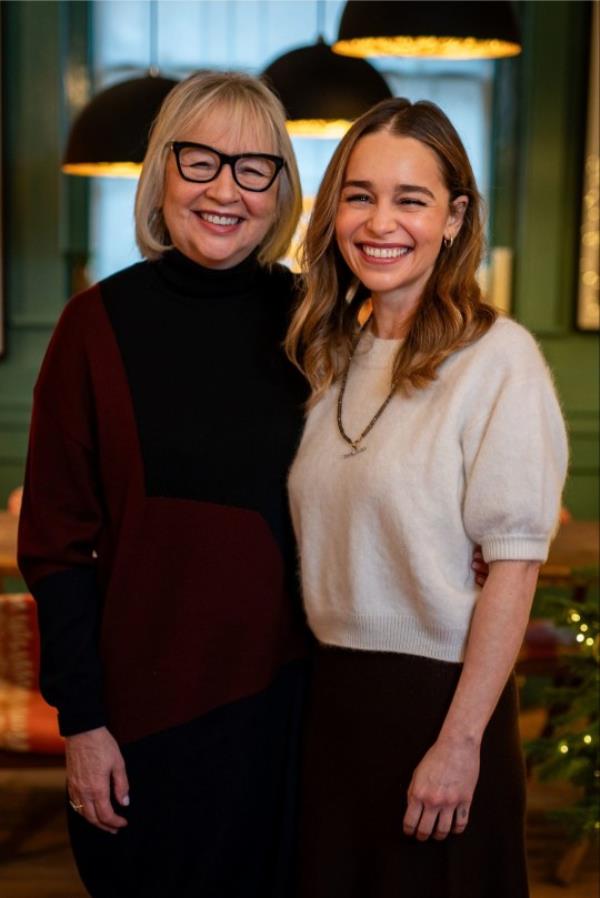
{"x": 125, "y": 801}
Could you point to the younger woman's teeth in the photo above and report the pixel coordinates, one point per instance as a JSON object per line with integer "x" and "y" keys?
{"x": 380, "y": 252}
{"x": 219, "y": 219}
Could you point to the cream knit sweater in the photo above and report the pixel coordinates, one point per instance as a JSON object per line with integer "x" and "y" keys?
{"x": 386, "y": 537}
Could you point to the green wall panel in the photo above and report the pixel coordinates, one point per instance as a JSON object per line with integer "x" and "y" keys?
{"x": 34, "y": 268}
{"x": 581, "y": 496}
{"x": 574, "y": 359}
{"x": 32, "y": 96}
{"x": 551, "y": 113}
{"x": 550, "y": 83}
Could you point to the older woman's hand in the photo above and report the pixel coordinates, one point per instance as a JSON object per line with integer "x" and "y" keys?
{"x": 94, "y": 764}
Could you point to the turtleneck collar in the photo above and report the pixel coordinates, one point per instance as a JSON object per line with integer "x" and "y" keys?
{"x": 188, "y": 278}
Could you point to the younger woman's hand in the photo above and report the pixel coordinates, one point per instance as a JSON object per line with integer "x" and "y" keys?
{"x": 479, "y": 566}
{"x": 441, "y": 791}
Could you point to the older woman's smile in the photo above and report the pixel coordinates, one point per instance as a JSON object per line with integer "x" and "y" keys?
{"x": 217, "y": 223}
{"x": 221, "y": 220}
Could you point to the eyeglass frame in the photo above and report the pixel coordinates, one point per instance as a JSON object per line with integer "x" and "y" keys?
{"x": 225, "y": 159}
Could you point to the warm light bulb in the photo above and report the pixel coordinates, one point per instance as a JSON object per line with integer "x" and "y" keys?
{"x": 323, "y": 129}
{"x": 584, "y": 628}
{"x": 574, "y": 616}
{"x": 103, "y": 169}
{"x": 587, "y": 739}
{"x": 563, "y": 748}
{"x": 589, "y": 641}
{"x": 580, "y": 637}
{"x": 428, "y": 46}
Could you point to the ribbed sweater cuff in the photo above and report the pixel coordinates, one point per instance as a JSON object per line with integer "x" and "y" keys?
{"x": 71, "y": 721}
{"x": 515, "y": 548}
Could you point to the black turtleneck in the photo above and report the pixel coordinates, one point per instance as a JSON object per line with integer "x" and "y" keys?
{"x": 218, "y": 407}
{"x": 155, "y": 532}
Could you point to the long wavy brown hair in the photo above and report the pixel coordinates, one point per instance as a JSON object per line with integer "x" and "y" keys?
{"x": 451, "y": 313}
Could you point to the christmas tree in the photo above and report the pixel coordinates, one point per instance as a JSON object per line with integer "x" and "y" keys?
{"x": 569, "y": 746}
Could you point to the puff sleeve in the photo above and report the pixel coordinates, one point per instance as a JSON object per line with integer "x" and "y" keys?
{"x": 515, "y": 460}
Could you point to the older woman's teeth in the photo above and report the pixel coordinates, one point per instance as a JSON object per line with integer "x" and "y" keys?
{"x": 220, "y": 219}
{"x": 379, "y": 252}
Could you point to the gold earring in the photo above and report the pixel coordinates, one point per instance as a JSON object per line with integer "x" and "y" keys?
{"x": 448, "y": 241}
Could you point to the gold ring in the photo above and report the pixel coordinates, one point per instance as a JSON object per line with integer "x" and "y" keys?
{"x": 75, "y": 806}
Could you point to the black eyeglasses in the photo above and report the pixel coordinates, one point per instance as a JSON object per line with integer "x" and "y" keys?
{"x": 251, "y": 171}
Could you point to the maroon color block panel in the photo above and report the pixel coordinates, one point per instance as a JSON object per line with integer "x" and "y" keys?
{"x": 199, "y": 603}
{"x": 61, "y": 515}
{"x": 84, "y": 475}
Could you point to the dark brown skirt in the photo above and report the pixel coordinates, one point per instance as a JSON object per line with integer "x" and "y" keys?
{"x": 371, "y": 717}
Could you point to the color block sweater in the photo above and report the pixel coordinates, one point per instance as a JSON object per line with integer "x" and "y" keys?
{"x": 155, "y": 533}
{"x": 386, "y": 536}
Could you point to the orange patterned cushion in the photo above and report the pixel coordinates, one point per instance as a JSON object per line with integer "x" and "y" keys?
{"x": 27, "y": 723}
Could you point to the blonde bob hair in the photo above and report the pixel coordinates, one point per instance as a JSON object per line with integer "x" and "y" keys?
{"x": 247, "y": 106}
{"x": 451, "y": 312}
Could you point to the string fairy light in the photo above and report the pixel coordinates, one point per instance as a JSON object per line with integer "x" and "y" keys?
{"x": 571, "y": 753}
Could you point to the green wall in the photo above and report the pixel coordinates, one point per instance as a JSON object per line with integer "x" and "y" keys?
{"x": 535, "y": 208}
{"x": 552, "y": 88}
{"x": 44, "y": 217}
{"x": 34, "y": 282}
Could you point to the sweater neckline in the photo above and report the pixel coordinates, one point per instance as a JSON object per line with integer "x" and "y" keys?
{"x": 187, "y": 278}
{"x": 376, "y": 352}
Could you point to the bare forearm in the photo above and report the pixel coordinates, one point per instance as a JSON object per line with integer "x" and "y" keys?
{"x": 495, "y": 637}
{"x": 443, "y": 783}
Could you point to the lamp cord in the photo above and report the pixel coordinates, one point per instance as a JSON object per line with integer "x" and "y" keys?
{"x": 153, "y": 67}
{"x": 320, "y": 10}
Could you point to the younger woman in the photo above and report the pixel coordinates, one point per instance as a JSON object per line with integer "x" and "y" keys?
{"x": 432, "y": 428}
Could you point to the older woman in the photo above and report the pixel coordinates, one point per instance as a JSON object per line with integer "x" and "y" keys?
{"x": 432, "y": 427}
{"x": 154, "y": 532}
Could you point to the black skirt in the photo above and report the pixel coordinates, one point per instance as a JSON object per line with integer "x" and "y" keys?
{"x": 213, "y": 806}
{"x": 370, "y": 719}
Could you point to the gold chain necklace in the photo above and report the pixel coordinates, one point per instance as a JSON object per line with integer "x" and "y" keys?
{"x": 355, "y": 446}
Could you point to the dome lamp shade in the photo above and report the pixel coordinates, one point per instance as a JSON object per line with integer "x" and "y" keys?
{"x": 450, "y": 29}
{"x": 322, "y": 92}
{"x": 110, "y": 135}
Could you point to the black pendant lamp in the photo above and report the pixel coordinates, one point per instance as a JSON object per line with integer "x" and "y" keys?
{"x": 451, "y": 29}
{"x": 322, "y": 92}
{"x": 110, "y": 135}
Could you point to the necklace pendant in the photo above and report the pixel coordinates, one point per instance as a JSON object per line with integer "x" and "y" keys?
{"x": 354, "y": 451}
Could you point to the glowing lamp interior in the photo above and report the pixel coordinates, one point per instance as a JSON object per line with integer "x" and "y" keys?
{"x": 103, "y": 169}
{"x": 427, "y": 46}
{"x": 326, "y": 129}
